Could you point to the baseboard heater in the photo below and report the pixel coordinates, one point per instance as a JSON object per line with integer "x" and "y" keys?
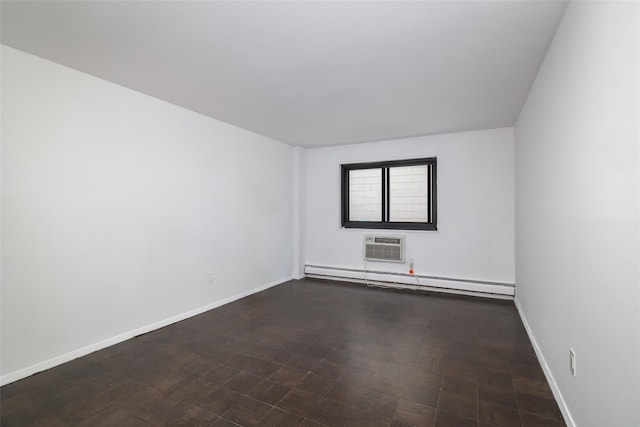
{"x": 403, "y": 280}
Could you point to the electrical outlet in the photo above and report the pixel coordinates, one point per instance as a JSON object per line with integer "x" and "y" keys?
{"x": 572, "y": 362}
{"x": 210, "y": 277}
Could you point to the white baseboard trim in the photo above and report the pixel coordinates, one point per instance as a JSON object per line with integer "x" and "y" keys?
{"x": 545, "y": 368}
{"x": 402, "y": 280}
{"x": 67, "y": 357}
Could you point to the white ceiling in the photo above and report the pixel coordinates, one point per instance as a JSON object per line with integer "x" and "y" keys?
{"x": 306, "y": 73}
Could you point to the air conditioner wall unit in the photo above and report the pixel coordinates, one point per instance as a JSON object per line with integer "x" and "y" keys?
{"x": 384, "y": 247}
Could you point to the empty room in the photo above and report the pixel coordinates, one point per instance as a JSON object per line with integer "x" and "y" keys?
{"x": 320, "y": 213}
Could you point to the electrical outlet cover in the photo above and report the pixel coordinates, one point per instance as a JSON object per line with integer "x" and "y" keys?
{"x": 572, "y": 362}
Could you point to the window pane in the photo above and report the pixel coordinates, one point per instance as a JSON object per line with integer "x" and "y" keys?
{"x": 365, "y": 195}
{"x": 408, "y": 194}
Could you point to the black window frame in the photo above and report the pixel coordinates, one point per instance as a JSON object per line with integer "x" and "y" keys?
{"x": 431, "y": 224}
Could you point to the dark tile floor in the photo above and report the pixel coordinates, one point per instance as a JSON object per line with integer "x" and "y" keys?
{"x": 306, "y": 353}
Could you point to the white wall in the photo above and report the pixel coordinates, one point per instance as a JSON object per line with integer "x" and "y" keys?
{"x": 475, "y": 237}
{"x": 577, "y": 212}
{"x": 115, "y": 205}
{"x": 299, "y": 197}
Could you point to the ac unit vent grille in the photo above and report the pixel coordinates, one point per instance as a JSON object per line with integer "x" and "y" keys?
{"x": 392, "y": 240}
{"x": 384, "y": 248}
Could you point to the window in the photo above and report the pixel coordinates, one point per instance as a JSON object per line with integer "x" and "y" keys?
{"x": 398, "y": 194}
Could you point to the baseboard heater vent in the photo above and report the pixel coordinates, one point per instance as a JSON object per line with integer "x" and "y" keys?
{"x": 481, "y": 288}
{"x": 384, "y": 248}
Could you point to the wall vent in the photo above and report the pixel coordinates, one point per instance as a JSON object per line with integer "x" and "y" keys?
{"x": 384, "y": 248}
